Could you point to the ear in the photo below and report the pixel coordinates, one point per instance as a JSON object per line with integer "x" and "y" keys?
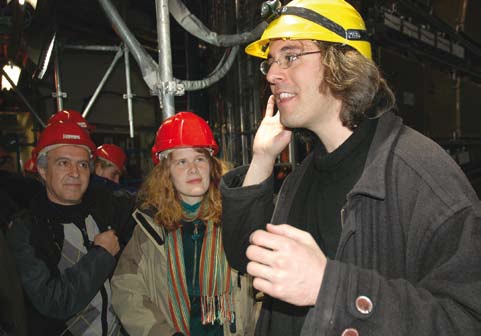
{"x": 42, "y": 172}
{"x": 98, "y": 169}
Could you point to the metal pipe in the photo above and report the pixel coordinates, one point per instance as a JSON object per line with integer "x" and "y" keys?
{"x": 22, "y": 97}
{"x": 129, "y": 91}
{"x": 196, "y": 28}
{"x": 58, "y": 81}
{"x": 220, "y": 71}
{"x": 91, "y": 48}
{"x": 165, "y": 58}
{"x": 102, "y": 82}
{"x": 241, "y": 105}
{"x": 146, "y": 64}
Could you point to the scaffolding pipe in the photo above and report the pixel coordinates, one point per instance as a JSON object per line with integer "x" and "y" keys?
{"x": 241, "y": 105}
{"x": 102, "y": 83}
{"x": 129, "y": 95}
{"x": 146, "y": 64}
{"x": 169, "y": 87}
{"x": 57, "y": 80}
{"x": 91, "y": 47}
{"x": 22, "y": 97}
{"x": 150, "y": 69}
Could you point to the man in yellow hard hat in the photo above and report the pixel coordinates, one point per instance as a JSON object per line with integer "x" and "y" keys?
{"x": 377, "y": 231}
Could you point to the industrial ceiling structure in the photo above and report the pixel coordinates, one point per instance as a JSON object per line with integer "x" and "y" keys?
{"x": 429, "y": 50}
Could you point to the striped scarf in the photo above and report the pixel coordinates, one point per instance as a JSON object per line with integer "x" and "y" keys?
{"x": 214, "y": 278}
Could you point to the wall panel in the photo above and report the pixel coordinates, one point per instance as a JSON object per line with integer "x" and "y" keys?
{"x": 407, "y": 79}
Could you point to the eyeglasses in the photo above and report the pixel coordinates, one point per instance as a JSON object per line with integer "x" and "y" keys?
{"x": 284, "y": 61}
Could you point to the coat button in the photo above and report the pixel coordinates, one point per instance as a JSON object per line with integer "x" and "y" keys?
{"x": 350, "y": 332}
{"x": 364, "y": 305}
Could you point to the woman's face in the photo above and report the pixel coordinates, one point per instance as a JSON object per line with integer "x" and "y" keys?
{"x": 190, "y": 173}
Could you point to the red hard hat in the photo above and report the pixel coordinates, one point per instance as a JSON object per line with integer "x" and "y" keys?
{"x": 64, "y": 133}
{"x": 70, "y": 116}
{"x": 112, "y": 153}
{"x": 30, "y": 166}
{"x": 184, "y": 129}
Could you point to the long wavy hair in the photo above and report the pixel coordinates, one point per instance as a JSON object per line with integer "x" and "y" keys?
{"x": 357, "y": 81}
{"x": 158, "y": 193}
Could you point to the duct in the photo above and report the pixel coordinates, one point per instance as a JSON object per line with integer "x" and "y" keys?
{"x": 220, "y": 71}
{"x": 149, "y": 67}
{"x": 195, "y": 27}
{"x": 145, "y": 62}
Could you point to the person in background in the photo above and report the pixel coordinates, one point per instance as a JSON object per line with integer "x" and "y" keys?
{"x": 30, "y": 167}
{"x": 109, "y": 165}
{"x": 378, "y": 231}
{"x": 13, "y": 320}
{"x": 65, "y": 245}
{"x": 173, "y": 277}
{"x": 6, "y": 161}
{"x": 19, "y": 188}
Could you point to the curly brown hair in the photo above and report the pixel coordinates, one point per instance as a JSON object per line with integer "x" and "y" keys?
{"x": 357, "y": 81}
{"x": 158, "y": 192}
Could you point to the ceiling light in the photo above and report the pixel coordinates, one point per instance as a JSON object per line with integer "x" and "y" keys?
{"x": 13, "y": 72}
{"x": 33, "y": 3}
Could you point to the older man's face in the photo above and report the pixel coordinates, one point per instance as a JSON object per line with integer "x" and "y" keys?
{"x": 67, "y": 174}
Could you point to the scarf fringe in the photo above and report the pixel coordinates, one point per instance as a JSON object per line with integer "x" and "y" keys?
{"x": 217, "y": 309}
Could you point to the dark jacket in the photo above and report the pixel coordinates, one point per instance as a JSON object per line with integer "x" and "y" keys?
{"x": 409, "y": 254}
{"x": 36, "y": 240}
{"x": 12, "y": 310}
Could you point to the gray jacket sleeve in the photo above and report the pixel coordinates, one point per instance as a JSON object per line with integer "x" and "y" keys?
{"x": 64, "y": 295}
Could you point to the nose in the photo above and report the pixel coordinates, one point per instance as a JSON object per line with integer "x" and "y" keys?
{"x": 74, "y": 170}
{"x": 192, "y": 168}
{"x": 275, "y": 73}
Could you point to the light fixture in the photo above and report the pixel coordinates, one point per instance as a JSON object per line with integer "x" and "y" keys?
{"x": 13, "y": 72}
{"x": 32, "y": 3}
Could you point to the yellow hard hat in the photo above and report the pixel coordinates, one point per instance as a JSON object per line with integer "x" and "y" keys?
{"x": 322, "y": 20}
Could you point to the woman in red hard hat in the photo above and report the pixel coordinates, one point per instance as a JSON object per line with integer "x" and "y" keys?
{"x": 173, "y": 277}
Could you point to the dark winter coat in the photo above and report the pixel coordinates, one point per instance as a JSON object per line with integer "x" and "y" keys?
{"x": 408, "y": 261}
{"x": 36, "y": 239}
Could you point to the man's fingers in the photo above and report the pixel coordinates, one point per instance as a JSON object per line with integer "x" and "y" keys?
{"x": 258, "y": 270}
{"x": 262, "y": 285}
{"x": 290, "y": 232}
{"x": 270, "y": 106}
{"x": 268, "y": 240}
{"x": 260, "y": 254}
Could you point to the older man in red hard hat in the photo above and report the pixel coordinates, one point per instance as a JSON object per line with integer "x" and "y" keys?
{"x": 66, "y": 243}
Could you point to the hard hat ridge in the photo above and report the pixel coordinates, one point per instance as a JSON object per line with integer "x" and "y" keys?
{"x": 112, "y": 153}
{"x": 184, "y": 129}
{"x": 323, "y": 20}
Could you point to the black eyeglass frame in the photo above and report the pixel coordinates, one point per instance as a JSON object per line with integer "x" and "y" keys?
{"x": 265, "y": 66}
